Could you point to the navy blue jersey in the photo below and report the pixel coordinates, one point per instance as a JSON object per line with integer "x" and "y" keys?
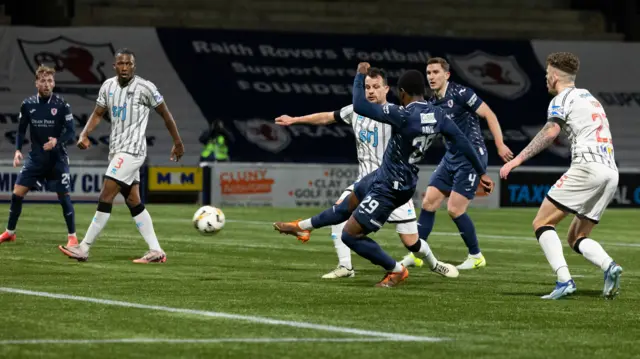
{"x": 414, "y": 128}
{"x": 46, "y": 117}
{"x": 461, "y": 103}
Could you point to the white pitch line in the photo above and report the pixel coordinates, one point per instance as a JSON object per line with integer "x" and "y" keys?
{"x": 194, "y": 341}
{"x": 247, "y": 318}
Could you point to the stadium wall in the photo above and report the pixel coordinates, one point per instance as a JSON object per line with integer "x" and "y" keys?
{"x": 247, "y": 78}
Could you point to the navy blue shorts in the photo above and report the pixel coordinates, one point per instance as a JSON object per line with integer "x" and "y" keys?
{"x": 457, "y": 176}
{"x": 52, "y": 175}
{"x": 378, "y": 200}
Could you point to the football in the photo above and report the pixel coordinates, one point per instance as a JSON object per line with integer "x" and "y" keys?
{"x": 208, "y": 220}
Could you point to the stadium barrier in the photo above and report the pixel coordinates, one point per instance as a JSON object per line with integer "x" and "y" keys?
{"x": 228, "y": 184}
{"x": 296, "y": 185}
{"x": 527, "y": 187}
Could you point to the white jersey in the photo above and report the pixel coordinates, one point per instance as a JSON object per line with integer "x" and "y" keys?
{"x": 371, "y": 139}
{"x": 128, "y": 109}
{"x": 583, "y": 119}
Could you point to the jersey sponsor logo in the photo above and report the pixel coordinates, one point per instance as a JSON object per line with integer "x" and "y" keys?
{"x": 54, "y": 111}
{"x": 499, "y": 75}
{"x": 370, "y": 137}
{"x": 80, "y": 67}
{"x": 266, "y": 135}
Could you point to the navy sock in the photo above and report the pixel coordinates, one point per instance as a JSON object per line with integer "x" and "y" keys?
{"x": 14, "y": 211}
{"x": 425, "y": 223}
{"x": 468, "y": 233}
{"x": 330, "y": 216}
{"x": 369, "y": 249}
{"x": 68, "y": 212}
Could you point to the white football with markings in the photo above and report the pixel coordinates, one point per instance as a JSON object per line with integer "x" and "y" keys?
{"x": 208, "y": 220}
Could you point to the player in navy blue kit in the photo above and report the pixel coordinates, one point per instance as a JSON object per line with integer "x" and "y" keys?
{"x": 377, "y": 195}
{"x": 51, "y": 122}
{"x": 455, "y": 177}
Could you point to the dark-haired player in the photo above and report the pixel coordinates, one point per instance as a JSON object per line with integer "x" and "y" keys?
{"x": 455, "y": 177}
{"x": 128, "y": 99}
{"x": 371, "y": 141}
{"x": 378, "y": 194}
{"x": 51, "y": 126}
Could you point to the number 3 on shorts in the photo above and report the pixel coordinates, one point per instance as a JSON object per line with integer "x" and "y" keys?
{"x": 369, "y": 205}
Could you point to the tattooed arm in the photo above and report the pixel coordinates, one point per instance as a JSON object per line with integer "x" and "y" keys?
{"x": 543, "y": 139}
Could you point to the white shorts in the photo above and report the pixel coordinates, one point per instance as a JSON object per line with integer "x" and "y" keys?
{"x": 585, "y": 190}
{"x": 404, "y": 217}
{"x": 125, "y": 168}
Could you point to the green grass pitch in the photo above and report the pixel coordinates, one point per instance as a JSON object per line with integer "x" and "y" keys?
{"x": 215, "y": 296}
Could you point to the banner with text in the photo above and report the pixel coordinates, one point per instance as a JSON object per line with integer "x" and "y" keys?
{"x": 297, "y": 185}
{"x": 83, "y": 60}
{"x": 528, "y": 188}
{"x": 171, "y": 179}
{"x": 261, "y": 75}
{"x": 85, "y": 182}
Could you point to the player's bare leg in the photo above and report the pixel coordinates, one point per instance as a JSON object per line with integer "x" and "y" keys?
{"x": 110, "y": 190}
{"x": 457, "y": 208}
{"x": 355, "y": 237}
{"x": 430, "y": 203}
{"x": 143, "y": 221}
{"x": 301, "y": 229}
{"x": 578, "y": 238}
{"x": 420, "y": 250}
{"x": 544, "y": 226}
{"x": 69, "y": 215}
{"x": 19, "y": 192}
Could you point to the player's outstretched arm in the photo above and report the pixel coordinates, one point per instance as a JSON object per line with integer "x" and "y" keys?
{"x": 319, "y": 119}
{"x": 177, "y": 151}
{"x": 94, "y": 120}
{"x": 485, "y": 112}
{"x": 543, "y": 139}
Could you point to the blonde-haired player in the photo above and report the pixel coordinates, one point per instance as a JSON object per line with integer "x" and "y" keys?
{"x": 586, "y": 188}
{"x": 128, "y": 99}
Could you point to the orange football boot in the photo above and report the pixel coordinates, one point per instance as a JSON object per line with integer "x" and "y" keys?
{"x": 293, "y": 229}
{"x": 7, "y": 237}
{"x": 392, "y": 279}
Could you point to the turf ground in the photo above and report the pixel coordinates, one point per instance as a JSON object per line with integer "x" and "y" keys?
{"x": 251, "y": 293}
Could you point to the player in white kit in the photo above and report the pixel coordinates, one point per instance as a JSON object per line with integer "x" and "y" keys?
{"x": 371, "y": 142}
{"x": 128, "y": 99}
{"x": 586, "y": 188}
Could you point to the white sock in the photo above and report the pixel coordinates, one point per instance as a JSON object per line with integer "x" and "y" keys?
{"x": 305, "y": 224}
{"x": 594, "y": 253}
{"x": 476, "y": 256}
{"x": 428, "y": 256}
{"x": 397, "y": 268}
{"x": 552, "y": 248}
{"x": 99, "y": 221}
{"x": 344, "y": 252}
{"x": 145, "y": 226}
{"x": 72, "y": 234}
{"x": 11, "y": 232}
